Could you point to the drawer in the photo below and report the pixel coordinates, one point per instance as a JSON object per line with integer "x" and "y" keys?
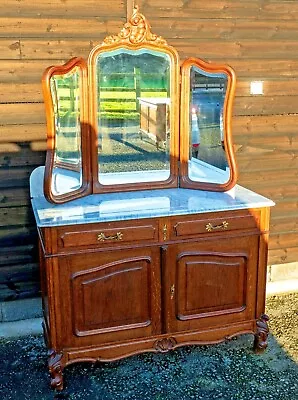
{"x": 214, "y": 223}
{"x": 104, "y": 235}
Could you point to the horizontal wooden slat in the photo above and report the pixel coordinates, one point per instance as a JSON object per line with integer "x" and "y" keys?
{"x": 263, "y": 105}
{"x": 260, "y": 69}
{"x": 19, "y": 281}
{"x": 282, "y": 256}
{"x": 256, "y": 125}
{"x": 18, "y": 254}
{"x": 23, "y": 113}
{"x": 283, "y": 223}
{"x": 19, "y": 290}
{"x": 10, "y": 49}
{"x": 28, "y": 71}
{"x": 14, "y": 197}
{"x": 15, "y": 177}
{"x": 21, "y": 92}
{"x": 18, "y": 236}
{"x": 229, "y": 29}
{"x": 286, "y": 206}
{"x": 220, "y": 9}
{"x": 58, "y": 28}
{"x": 264, "y": 176}
{"x": 276, "y": 87}
{"x": 16, "y": 216}
{"x": 274, "y": 191}
{"x": 38, "y": 146}
{"x": 54, "y": 49}
{"x": 73, "y": 8}
{"x": 22, "y": 133}
{"x": 279, "y": 142}
{"x": 283, "y": 240}
{"x": 19, "y": 273}
{"x": 244, "y": 49}
{"x": 8, "y": 148}
{"x": 274, "y": 162}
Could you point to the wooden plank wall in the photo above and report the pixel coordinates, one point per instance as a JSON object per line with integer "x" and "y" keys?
{"x": 258, "y": 38}
{"x": 34, "y": 35}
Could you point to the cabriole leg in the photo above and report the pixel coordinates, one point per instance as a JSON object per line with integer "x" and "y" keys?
{"x": 261, "y": 335}
{"x": 56, "y": 370}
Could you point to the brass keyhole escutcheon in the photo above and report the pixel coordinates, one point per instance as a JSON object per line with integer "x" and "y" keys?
{"x": 165, "y": 232}
{"x": 172, "y": 291}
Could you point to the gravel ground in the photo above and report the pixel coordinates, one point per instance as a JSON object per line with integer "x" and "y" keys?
{"x": 226, "y": 371}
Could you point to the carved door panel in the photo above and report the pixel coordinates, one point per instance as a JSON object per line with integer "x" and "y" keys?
{"x": 109, "y": 296}
{"x": 211, "y": 283}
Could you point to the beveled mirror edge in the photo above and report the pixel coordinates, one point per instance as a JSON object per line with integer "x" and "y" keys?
{"x": 172, "y": 181}
{"x": 185, "y": 181}
{"x": 86, "y": 187}
{"x": 136, "y": 35}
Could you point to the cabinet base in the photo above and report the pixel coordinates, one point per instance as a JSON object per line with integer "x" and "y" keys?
{"x": 158, "y": 344}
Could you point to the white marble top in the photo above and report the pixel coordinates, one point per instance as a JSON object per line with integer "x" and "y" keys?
{"x": 110, "y": 207}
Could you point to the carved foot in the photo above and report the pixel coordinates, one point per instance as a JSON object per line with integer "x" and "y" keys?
{"x": 56, "y": 370}
{"x": 261, "y": 335}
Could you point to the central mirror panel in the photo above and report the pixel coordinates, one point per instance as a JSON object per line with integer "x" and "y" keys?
{"x": 133, "y": 116}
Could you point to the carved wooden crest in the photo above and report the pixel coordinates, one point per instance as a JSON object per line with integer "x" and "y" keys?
{"x": 165, "y": 344}
{"x": 136, "y": 30}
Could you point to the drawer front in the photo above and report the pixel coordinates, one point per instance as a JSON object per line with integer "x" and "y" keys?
{"x": 105, "y": 235}
{"x": 211, "y": 224}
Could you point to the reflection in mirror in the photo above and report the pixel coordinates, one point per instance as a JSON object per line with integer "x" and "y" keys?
{"x": 133, "y": 94}
{"x": 67, "y": 165}
{"x": 207, "y": 158}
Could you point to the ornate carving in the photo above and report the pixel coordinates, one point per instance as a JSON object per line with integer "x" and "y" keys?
{"x": 136, "y": 30}
{"x": 261, "y": 334}
{"x": 164, "y": 345}
{"x": 55, "y": 369}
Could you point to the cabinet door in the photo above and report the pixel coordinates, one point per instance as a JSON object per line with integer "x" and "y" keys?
{"x": 108, "y": 296}
{"x": 211, "y": 283}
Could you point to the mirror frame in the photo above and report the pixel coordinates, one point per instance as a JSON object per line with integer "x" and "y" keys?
{"x": 185, "y": 181}
{"x": 136, "y": 35}
{"x": 85, "y": 188}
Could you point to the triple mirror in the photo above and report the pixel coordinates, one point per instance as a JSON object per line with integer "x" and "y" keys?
{"x": 123, "y": 122}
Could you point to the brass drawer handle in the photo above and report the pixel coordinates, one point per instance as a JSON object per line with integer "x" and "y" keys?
{"x": 102, "y": 237}
{"x": 210, "y": 227}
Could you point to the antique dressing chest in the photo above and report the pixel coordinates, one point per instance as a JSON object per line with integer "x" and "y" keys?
{"x": 146, "y": 241}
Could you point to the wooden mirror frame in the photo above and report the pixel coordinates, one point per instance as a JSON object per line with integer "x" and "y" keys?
{"x": 85, "y": 188}
{"x": 185, "y": 181}
{"x": 136, "y": 35}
